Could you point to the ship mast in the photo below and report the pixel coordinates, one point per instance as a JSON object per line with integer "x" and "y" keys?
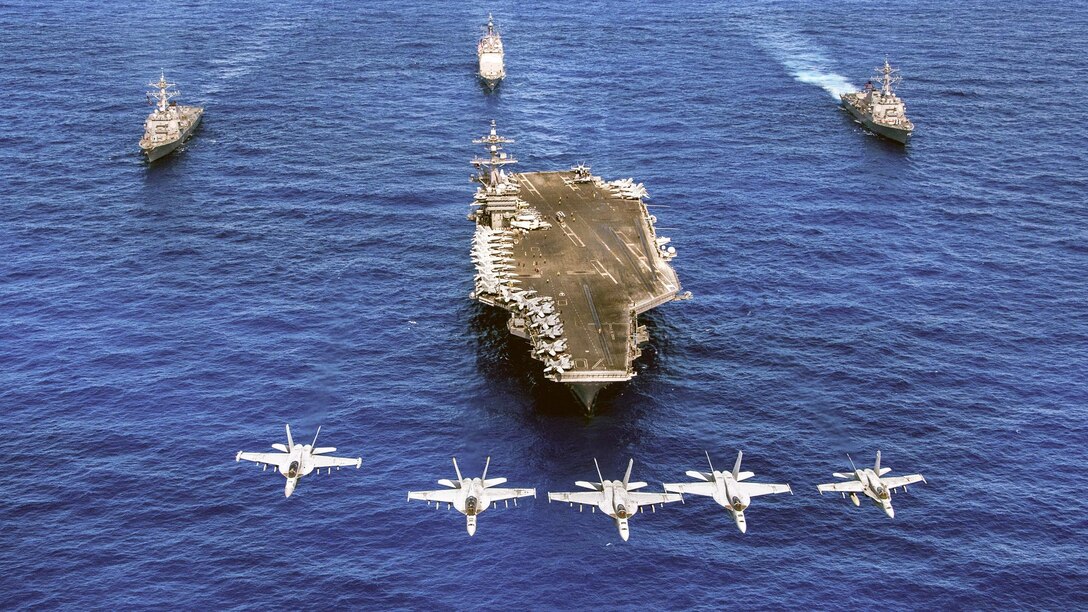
{"x": 163, "y": 93}
{"x": 489, "y": 168}
{"x": 490, "y": 26}
{"x": 887, "y": 77}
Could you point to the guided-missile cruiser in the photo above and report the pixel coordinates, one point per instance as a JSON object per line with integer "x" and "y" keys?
{"x": 490, "y": 55}
{"x": 575, "y": 260}
{"x": 880, "y": 110}
{"x": 168, "y": 125}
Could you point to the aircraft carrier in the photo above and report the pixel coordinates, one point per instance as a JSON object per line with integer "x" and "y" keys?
{"x": 575, "y": 260}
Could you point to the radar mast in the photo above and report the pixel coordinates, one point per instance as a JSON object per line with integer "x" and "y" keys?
{"x": 888, "y": 77}
{"x": 490, "y": 170}
{"x": 164, "y": 92}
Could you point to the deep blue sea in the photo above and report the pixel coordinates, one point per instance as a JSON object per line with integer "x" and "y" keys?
{"x": 305, "y": 259}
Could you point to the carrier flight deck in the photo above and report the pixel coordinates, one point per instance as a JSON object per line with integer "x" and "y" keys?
{"x": 575, "y": 260}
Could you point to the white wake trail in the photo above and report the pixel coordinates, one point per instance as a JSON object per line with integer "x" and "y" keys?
{"x": 804, "y": 62}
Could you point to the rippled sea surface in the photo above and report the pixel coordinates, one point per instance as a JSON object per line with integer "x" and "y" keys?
{"x": 305, "y": 260}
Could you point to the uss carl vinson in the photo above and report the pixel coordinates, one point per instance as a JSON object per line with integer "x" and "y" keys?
{"x": 575, "y": 260}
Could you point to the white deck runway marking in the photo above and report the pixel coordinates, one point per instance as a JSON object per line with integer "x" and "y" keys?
{"x": 600, "y": 270}
{"x": 573, "y": 237}
{"x": 530, "y": 185}
{"x": 631, "y": 247}
{"x": 612, "y": 253}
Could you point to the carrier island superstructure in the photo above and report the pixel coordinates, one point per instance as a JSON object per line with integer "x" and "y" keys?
{"x": 575, "y": 260}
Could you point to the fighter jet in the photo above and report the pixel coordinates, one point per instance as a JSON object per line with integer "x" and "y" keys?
{"x": 297, "y": 460}
{"x": 615, "y": 498}
{"x": 471, "y": 496}
{"x": 727, "y": 489}
{"x": 869, "y": 482}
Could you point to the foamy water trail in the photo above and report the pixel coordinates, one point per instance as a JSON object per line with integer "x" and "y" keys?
{"x": 803, "y": 60}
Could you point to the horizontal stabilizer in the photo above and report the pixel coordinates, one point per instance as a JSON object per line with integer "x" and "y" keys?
{"x": 841, "y": 475}
{"x": 280, "y": 447}
{"x": 592, "y": 486}
{"x": 744, "y": 475}
{"x": 445, "y": 482}
{"x": 698, "y": 475}
{"x": 884, "y": 470}
{"x": 324, "y": 449}
{"x": 631, "y": 486}
{"x": 493, "y": 482}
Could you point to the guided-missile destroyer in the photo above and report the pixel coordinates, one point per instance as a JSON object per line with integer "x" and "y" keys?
{"x": 880, "y": 110}
{"x": 490, "y": 55}
{"x": 169, "y": 124}
{"x": 575, "y": 260}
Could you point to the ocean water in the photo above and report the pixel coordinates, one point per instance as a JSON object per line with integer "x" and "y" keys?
{"x": 305, "y": 260}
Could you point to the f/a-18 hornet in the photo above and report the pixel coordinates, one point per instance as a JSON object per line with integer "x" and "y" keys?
{"x": 870, "y": 483}
{"x": 471, "y": 496}
{"x": 727, "y": 489}
{"x": 297, "y": 460}
{"x": 618, "y": 499}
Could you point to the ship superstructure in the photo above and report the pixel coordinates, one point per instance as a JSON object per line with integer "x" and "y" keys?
{"x": 881, "y": 110}
{"x": 575, "y": 260}
{"x": 169, "y": 124}
{"x": 490, "y": 55}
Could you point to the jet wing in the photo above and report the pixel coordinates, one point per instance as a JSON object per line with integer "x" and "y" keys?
{"x": 591, "y": 498}
{"x": 445, "y": 496}
{"x": 755, "y": 489}
{"x": 897, "y": 481}
{"x": 495, "y": 495}
{"x": 279, "y": 460}
{"x": 853, "y": 486}
{"x": 693, "y": 488}
{"x": 649, "y": 499}
{"x": 325, "y": 461}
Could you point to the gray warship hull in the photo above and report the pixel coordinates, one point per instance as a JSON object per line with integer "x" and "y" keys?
{"x": 162, "y": 150}
{"x": 900, "y": 135}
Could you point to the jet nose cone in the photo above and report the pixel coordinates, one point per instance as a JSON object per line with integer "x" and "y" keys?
{"x": 625, "y": 535}
{"x": 471, "y": 530}
{"x": 889, "y": 512}
{"x": 743, "y": 527}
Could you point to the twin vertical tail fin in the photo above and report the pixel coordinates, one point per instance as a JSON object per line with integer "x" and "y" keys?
{"x": 290, "y": 442}
{"x": 736, "y": 466}
{"x": 627, "y": 476}
{"x": 486, "y": 464}
{"x": 876, "y": 468}
{"x": 598, "y": 466}
{"x": 458, "y": 470}
{"x": 314, "y": 445}
{"x": 709, "y": 462}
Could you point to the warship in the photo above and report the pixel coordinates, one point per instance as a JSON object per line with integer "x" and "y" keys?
{"x": 169, "y": 124}
{"x": 881, "y": 111}
{"x": 575, "y": 260}
{"x": 490, "y": 55}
